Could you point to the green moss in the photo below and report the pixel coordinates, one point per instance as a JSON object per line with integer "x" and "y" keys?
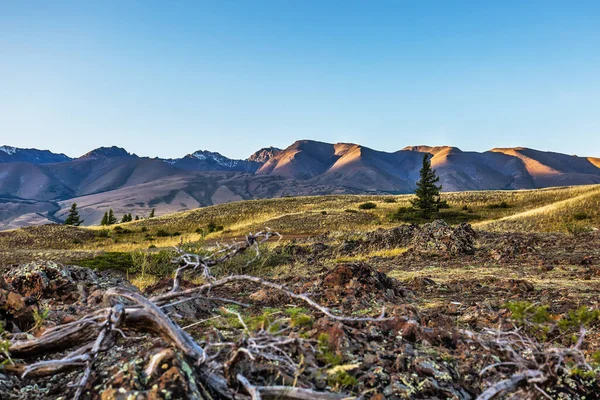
{"x": 327, "y": 354}
{"x": 581, "y": 317}
{"x": 265, "y": 321}
{"x": 585, "y": 374}
{"x": 525, "y": 312}
{"x": 341, "y": 380}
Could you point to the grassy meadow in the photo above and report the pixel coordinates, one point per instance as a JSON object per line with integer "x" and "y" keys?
{"x": 564, "y": 209}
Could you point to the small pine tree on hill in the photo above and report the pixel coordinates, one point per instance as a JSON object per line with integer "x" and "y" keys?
{"x": 112, "y": 219}
{"x": 152, "y": 213}
{"x": 428, "y": 201}
{"x": 104, "y": 221}
{"x": 73, "y": 217}
{"x": 124, "y": 219}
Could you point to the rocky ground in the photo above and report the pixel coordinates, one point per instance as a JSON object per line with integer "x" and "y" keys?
{"x": 447, "y": 330}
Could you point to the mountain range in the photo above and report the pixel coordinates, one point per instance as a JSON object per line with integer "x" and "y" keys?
{"x": 38, "y": 186}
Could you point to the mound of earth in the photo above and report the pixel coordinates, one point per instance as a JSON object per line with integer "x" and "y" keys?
{"x": 440, "y": 238}
{"x": 358, "y": 286}
{"x": 514, "y": 246}
{"x": 400, "y": 236}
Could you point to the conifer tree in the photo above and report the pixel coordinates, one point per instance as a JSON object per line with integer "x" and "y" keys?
{"x": 112, "y": 219}
{"x": 152, "y": 213}
{"x": 428, "y": 194}
{"x": 137, "y": 217}
{"x": 129, "y": 217}
{"x": 73, "y": 217}
{"x": 104, "y": 219}
{"x": 124, "y": 219}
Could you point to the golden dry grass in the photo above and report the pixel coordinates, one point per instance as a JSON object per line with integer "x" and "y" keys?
{"x": 546, "y": 210}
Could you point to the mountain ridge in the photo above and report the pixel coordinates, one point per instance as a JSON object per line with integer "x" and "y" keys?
{"x": 111, "y": 177}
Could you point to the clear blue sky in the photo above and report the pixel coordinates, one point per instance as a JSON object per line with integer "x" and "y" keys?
{"x": 166, "y": 78}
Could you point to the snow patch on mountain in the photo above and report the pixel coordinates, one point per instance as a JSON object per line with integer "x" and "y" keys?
{"x": 10, "y": 150}
{"x": 217, "y": 158}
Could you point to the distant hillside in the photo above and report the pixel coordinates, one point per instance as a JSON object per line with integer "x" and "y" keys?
{"x": 370, "y": 170}
{"x": 111, "y": 177}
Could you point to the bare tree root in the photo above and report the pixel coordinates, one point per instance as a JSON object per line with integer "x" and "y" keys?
{"x": 130, "y": 311}
{"x": 223, "y": 368}
{"x": 532, "y": 362}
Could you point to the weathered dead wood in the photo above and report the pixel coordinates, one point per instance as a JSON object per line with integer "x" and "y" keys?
{"x": 533, "y": 362}
{"x": 59, "y": 340}
{"x": 225, "y": 252}
{"x": 162, "y": 324}
{"x": 293, "y": 393}
{"x": 251, "y": 389}
{"x": 99, "y": 331}
{"x": 163, "y": 298}
{"x": 511, "y": 384}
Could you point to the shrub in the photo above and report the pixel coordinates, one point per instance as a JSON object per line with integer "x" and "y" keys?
{"x": 323, "y": 212}
{"x": 213, "y": 227}
{"x": 119, "y": 230}
{"x": 523, "y": 311}
{"x": 367, "y": 206}
{"x": 248, "y": 263}
{"x": 162, "y": 233}
{"x": 103, "y": 233}
{"x": 158, "y": 264}
{"x": 210, "y": 228}
{"x": 389, "y": 200}
{"x": 412, "y": 216}
{"x": 580, "y": 216}
{"x": 351, "y": 211}
{"x": 110, "y": 260}
{"x": 502, "y": 204}
{"x": 581, "y": 317}
{"x": 577, "y": 228}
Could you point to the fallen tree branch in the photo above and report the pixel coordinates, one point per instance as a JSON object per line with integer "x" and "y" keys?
{"x": 163, "y": 298}
{"x": 511, "y": 384}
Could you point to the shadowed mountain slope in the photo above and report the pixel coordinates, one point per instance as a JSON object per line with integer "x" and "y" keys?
{"x": 10, "y": 154}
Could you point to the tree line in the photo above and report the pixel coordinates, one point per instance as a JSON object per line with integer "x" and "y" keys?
{"x": 109, "y": 217}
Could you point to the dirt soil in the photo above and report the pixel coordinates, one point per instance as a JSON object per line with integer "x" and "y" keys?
{"x": 448, "y": 281}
